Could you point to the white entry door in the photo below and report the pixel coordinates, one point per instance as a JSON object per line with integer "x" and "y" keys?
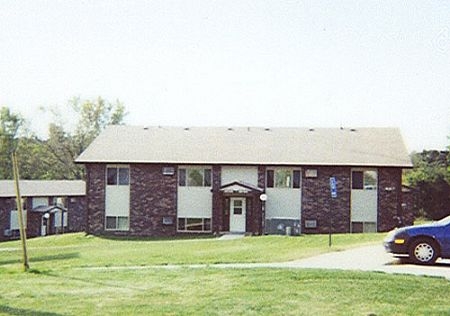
{"x": 44, "y": 223}
{"x": 237, "y": 215}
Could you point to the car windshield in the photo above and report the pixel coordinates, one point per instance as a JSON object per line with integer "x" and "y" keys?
{"x": 445, "y": 220}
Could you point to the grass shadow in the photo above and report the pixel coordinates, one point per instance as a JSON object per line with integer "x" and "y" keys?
{"x": 118, "y": 237}
{"x": 61, "y": 256}
{"x": 24, "y": 312}
{"x": 57, "y": 257}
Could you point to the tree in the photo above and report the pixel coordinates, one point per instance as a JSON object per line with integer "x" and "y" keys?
{"x": 36, "y": 161}
{"x": 92, "y": 117}
{"x": 430, "y": 180}
{"x": 10, "y": 125}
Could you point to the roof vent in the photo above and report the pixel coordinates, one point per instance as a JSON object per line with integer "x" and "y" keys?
{"x": 311, "y": 129}
{"x": 267, "y": 129}
{"x": 186, "y": 128}
{"x": 145, "y": 128}
{"x": 352, "y": 129}
{"x": 230, "y": 129}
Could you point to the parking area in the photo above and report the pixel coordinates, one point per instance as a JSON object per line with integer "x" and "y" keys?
{"x": 369, "y": 258}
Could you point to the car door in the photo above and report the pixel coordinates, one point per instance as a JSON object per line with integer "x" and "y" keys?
{"x": 444, "y": 240}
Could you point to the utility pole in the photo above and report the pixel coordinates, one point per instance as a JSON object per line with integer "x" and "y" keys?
{"x": 23, "y": 236}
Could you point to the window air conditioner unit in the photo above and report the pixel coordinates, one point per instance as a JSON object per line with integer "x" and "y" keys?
{"x": 168, "y": 171}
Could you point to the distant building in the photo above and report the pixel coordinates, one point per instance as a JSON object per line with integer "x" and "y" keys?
{"x": 50, "y": 207}
{"x": 160, "y": 181}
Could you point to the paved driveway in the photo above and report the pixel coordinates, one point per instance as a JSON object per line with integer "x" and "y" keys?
{"x": 369, "y": 258}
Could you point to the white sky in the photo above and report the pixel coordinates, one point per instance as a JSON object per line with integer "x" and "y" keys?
{"x": 235, "y": 63}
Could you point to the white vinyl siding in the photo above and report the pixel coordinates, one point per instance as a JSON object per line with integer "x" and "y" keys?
{"x": 283, "y": 203}
{"x": 244, "y": 174}
{"x": 117, "y": 201}
{"x": 194, "y": 198}
{"x": 39, "y": 201}
{"x": 194, "y": 202}
{"x": 364, "y": 199}
{"x": 117, "y": 198}
{"x": 364, "y": 206}
{"x": 283, "y": 193}
{"x": 57, "y": 220}
{"x": 14, "y": 220}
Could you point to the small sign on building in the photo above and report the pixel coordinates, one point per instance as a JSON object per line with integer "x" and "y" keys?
{"x": 333, "y": 187}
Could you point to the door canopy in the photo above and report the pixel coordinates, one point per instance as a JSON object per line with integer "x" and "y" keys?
{"x": 240, "y": 187}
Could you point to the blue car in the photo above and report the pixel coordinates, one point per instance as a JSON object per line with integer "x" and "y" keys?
{"x": 422, "y": 244}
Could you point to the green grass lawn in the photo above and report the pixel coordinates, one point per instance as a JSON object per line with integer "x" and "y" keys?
{"x": 60, "y": 283}
{"x": 76, "y": 250}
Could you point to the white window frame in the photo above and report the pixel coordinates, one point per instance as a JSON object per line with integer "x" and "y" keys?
{"x": 118, "y": 179}
{"x": 117, "y": 223}
{"x": 118, "y": 188}
{"x": 276, "y": 171}
{"x": 201, "y": 169}
{"x": 364, "y": 171}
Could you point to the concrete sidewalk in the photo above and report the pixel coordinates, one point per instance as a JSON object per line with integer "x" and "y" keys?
{"x": 369, "y": 258}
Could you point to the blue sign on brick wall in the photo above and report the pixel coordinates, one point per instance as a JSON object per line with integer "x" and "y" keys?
{"x": 333, "y": 187}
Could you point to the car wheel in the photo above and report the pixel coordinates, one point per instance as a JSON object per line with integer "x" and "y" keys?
{"x": 423, "y": 251}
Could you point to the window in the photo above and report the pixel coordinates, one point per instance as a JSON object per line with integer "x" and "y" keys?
{"x": 117, "y": 198}
{"x": 117, "y": 223}
{"x": 270, "y": 180}
{"x": 118, "y": 176}
{"x": 283, "y": 178}
{"x": 237, "y": 207}
{"x": 61, "y": 201}
{"x": 194, "y": 177}
{"x": 194, "y": 224}
{"x": 14, "y": 219}
{"x": 60, "y": 218}
{"x": 364, "y": 227}
{"x": 364, "y": 180}
{"x": 296, "y": 179}
{"x": 39, "y": 201}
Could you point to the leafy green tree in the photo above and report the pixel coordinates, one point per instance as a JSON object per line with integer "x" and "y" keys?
{"x": 36, "y": 161}
{"x": 65, "y": 145}
{"x": 430, "y": 180}
{"x": 10, "y": 125}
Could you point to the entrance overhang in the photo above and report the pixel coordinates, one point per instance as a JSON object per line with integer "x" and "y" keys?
{"x": 238, "y": 187}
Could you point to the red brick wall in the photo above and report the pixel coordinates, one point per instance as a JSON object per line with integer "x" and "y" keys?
{"x": 217, "y": 200}
{"x": 153, "y": 196}
{"x": 95, "y": 196}
{"x": 389, "y": 197}
{"x": 318, "y": 205}
{"x": 77, "y": 209}
{"x": 6, "y": 205}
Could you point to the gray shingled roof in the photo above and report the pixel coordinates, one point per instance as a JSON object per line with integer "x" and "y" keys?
{"x": 250, "y": 146}
{"x": 36, "y": 188}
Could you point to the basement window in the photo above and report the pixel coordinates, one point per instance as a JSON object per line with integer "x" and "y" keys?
{"x": 195, "y": 225}
{"x": 116, "y": 223}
